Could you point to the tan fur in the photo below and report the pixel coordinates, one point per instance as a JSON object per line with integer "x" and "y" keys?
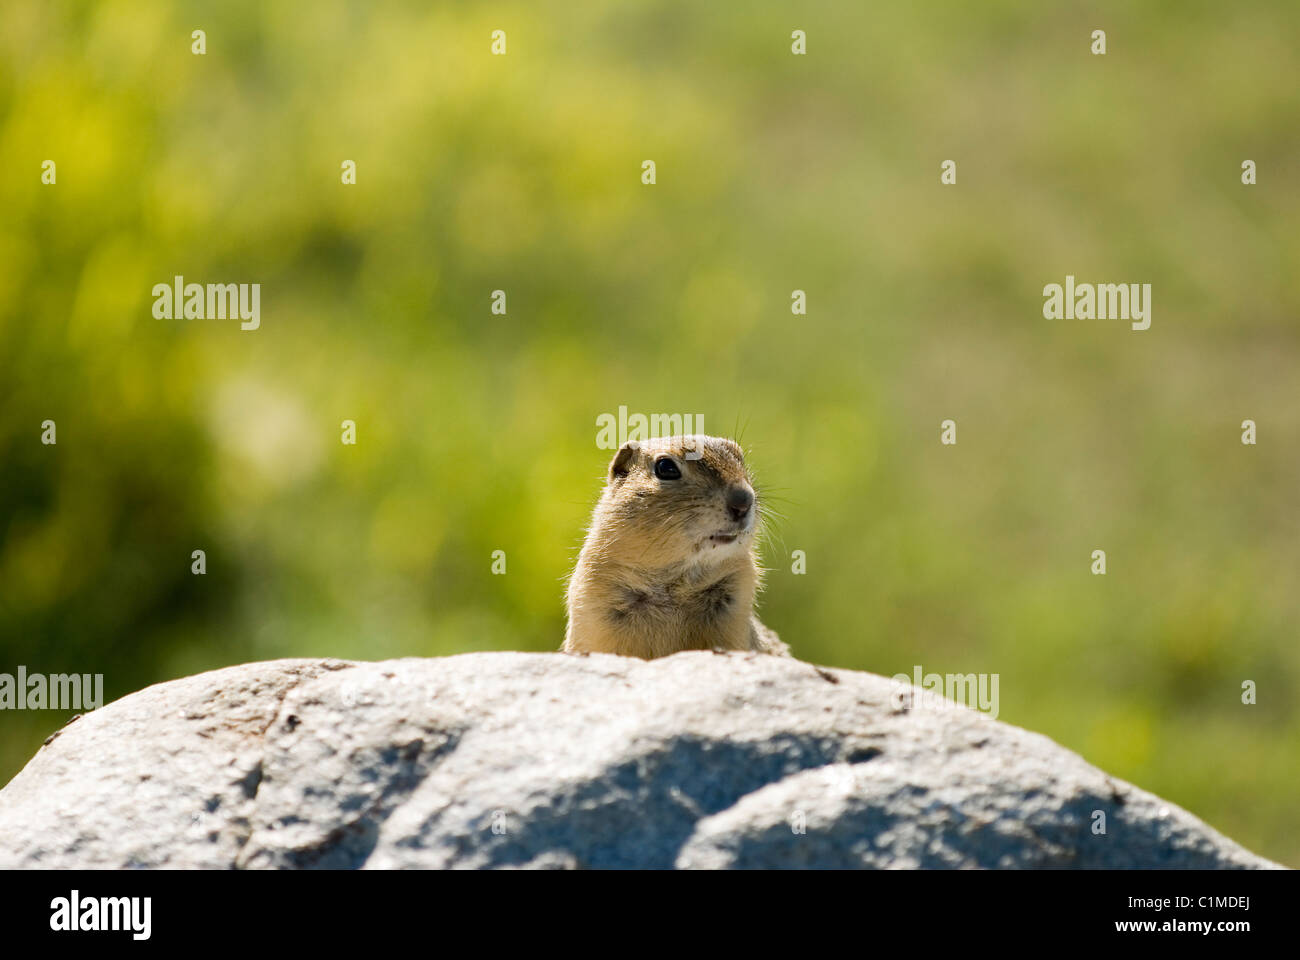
{"x": 651, "y": 580}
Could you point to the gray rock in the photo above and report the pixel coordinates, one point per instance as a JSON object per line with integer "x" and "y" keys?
{"x": 545, "y": 760}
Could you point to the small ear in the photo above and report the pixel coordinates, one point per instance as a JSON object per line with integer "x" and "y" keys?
{"x": 622, "y": 462}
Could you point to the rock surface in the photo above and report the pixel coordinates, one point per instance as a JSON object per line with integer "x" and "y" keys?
{"x": 545, "y": 760}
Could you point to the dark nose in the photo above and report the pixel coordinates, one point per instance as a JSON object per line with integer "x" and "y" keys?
{"x": 739, "y": 500}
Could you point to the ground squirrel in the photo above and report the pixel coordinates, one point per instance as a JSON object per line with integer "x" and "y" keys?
{"x": 669, "y": 562}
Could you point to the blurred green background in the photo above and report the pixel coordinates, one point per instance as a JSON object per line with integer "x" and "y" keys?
{"x": 775, "y": 172}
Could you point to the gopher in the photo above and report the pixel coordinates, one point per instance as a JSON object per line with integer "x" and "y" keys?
{"x": 670, "y": 562}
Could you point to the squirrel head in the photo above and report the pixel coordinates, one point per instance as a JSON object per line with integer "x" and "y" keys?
{"x": 678, "y": 499}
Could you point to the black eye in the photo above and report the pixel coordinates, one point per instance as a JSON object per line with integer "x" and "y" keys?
{"x": 667, "y": 469}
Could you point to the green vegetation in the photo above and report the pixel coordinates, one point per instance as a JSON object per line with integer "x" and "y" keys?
{"x": 775, "y": 172}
